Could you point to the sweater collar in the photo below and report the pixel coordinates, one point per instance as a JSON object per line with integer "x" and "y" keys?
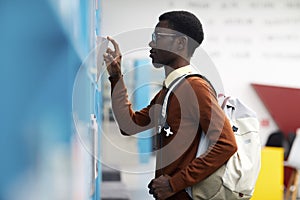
{"x": 176, "y": 74}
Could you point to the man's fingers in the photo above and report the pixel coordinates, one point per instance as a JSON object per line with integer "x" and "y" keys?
{"x": 116, "y": 46}
{"x": 157, "y": 194}
{"x": 109, "y": 51}
{"x": 115, "y": 55}
{"x": 108, "y": 59}
{"x": 113, "y": 59}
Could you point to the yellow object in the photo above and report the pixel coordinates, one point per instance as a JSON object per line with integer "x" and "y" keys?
{"x": 269, "y": 184}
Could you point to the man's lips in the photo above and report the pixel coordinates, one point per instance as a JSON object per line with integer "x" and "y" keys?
{"x": 152, "y": 53}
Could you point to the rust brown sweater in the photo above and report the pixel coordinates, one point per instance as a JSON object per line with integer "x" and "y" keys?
{"x": 192, "y": 109}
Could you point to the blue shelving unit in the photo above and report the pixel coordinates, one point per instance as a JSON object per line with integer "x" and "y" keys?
{"x": 39, "y": 66}
{"x": 37, "y": 73}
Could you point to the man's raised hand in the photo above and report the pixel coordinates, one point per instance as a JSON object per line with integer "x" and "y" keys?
{"x": 113, "y": 59}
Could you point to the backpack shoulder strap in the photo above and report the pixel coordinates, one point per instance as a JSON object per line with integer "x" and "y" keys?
{"x": 174, "y": 85}
{"x": 204, "y": 78}
{"x": 162, "y": 119}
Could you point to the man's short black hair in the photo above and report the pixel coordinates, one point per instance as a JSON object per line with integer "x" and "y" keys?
{"x": 187, "y": 24}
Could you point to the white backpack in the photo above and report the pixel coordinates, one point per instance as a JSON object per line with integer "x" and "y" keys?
{"x": 242, "y": 169}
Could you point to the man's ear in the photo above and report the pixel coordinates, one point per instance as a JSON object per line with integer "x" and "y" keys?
{"x": 180, "y": 46}
{"x": 182, "y": 42}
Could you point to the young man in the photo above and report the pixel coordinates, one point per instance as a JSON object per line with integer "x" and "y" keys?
{"x": 192, "y": 109}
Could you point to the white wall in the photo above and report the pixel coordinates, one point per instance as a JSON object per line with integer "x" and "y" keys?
{"x": 250, "y": 41}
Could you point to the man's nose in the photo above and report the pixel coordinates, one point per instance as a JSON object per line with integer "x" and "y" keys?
{"x": 151, "y": 44}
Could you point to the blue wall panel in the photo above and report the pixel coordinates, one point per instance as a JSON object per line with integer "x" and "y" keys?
{"x": 38, "y": 66}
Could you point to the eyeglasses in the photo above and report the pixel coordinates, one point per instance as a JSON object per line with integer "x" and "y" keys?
{"x": 156, "y": 35}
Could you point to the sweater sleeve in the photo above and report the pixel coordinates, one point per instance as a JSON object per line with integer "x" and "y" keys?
{"x": 218, "y": 130}
{"x": 130, "y": 122}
